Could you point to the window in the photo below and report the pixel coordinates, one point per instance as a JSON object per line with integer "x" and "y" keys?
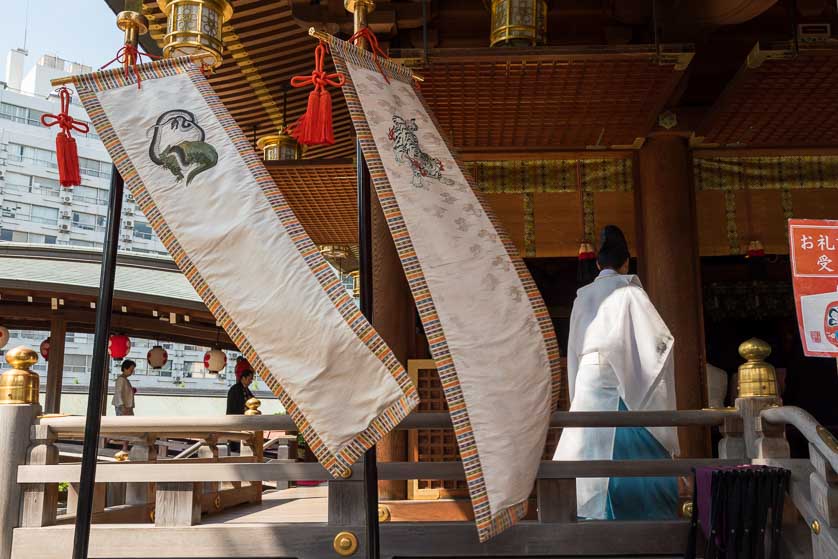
{"x": 94, "y": 168}
{"x": 32, "y": 117}
{"x": 81, "y": 243}
{"x": 90, "y": 195}
{"x": 16, "y": 179}
{"x": 142, "y": 230}
{"x": 74, "y": 363}
{"x": 47, "y": 187}
{"x": 17, "y": 210}
{"x": 88, "y": 222}
{"x": 44, "y": 215}
{"x": 43, "y": 157}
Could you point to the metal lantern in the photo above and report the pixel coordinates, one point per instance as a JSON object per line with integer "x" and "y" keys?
{"x": 279, "y": 147}
{"x": 194, "y": 27}
{"x": 44, "y": 349}
{"x": 4, "y": 336}
{"x": 519, "y": 22}
{"x": 215, "y": 360}
{"x": 157, "y": 357}
{"x": 118, "y": 346}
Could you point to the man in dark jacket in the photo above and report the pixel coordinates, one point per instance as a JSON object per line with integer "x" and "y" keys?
{"x": 238, "y": 394}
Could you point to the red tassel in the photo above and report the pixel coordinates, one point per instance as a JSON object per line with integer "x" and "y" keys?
{"x": 315, "y": 126}
{"x": 68, "y": 160}
{"x": 66, "y": 152}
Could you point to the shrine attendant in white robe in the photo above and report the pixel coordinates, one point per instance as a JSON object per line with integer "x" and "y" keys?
{"x": 619, "y": 357}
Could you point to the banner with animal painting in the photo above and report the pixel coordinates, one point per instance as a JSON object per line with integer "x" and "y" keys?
{"x": 488, "y": 329}
{"x": 813, "y": 248}
{"x": 218, "y": 212}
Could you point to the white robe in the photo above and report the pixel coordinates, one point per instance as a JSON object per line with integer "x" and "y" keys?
{"x": 618, "y": 348}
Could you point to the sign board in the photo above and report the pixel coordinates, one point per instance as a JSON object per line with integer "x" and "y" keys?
{"x": 813, "y": 247}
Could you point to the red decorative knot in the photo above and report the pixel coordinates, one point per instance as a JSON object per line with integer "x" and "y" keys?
{"x": 375, "y": 48}
{"x": 65, "y": 146}
{"x": 129, "y": 56}
{"x": 315, "y": 126}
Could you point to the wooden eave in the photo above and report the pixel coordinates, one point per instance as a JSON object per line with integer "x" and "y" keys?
{"x": 779, "y": 98}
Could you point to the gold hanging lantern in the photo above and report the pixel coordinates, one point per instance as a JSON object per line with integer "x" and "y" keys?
{"x": 194, "y": 27}
{"x": 518, "y": 23}
{"x": 279, "y": 147}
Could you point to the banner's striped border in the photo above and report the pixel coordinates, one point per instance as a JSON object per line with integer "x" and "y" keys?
{"x": 336, "y": 463}
{"x": 488, "y": 525}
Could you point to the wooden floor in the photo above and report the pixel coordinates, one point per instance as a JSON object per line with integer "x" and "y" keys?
{"x": 299, "y": 504}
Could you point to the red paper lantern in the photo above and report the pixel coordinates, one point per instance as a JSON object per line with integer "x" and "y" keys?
{"x": 118, "y": 346}
{"x": 157, "y": 357}
{"x": 45, "y": 349}
{"x": 4, "y": 336}
{"x": 215, "y": 360}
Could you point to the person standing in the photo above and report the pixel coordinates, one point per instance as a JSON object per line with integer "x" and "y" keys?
{"x": 237, "y": 396}
{"x": 123, "y": 394}
{"x": 619, "y": 357}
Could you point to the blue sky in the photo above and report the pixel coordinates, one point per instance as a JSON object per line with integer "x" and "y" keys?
{"x": 78, "y": 30}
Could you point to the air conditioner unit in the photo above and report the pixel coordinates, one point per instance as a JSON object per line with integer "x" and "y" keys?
{"x": 66, "y": 214}
{"x": 127, "y": 237}
{"x": 64, "y": 227}
{"x": 128, "y": 211}
{"x": 129, "y": 197}
{"x": 128, "y": 223}
{"x": 66, "y": 197}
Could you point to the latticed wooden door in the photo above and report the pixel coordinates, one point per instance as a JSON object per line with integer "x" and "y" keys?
{"x": 440, "y": 445}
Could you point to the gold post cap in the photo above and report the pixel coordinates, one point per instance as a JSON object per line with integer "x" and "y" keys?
{"x": 754, "y": 349}
{"x": 351, "y": 5}
{"x": 21, "y": 357}
{"x": 816, "y": 527}
{"x": 757, "y": 378}
{"x": 252, "y": 406}
{"x": 345, "y": 544}
{"x": 19, "y": 385}
{"x": 121, "y": 456}
{"x": 132, "y": 20}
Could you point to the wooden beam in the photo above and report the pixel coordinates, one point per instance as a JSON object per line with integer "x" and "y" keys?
{"x": 55, "y": 364}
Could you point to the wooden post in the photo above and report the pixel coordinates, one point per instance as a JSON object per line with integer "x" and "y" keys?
{"x": 346, "y": 503}
{"x": 670, "y": 269}
{"x": 143, "y": 449}
{"x": 177, "y": 504}
{"x": 393, "y": 318}
{"x": 39, "y": 504}
{"x": 556, "y": 500}
{"x": 55, "y": 365}
{"x": 732, "y": 445}
{"x": 15, "y": 421}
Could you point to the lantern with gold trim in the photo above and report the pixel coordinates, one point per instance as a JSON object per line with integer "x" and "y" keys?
{"x": 194, "y": 27}
{"x": 280, "y": 146}
{"x": 518, "y": 23}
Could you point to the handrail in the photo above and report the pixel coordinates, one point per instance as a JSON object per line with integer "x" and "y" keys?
{"x": 809, "y": 427}
{"x": 190, "y": 451}
{"x": 74, "y": 425}
{"x": 206, "y": 472}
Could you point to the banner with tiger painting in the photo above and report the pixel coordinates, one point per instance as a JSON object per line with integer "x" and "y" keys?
{"x": 487, "y": 326}
{"x": 214, "y": 206}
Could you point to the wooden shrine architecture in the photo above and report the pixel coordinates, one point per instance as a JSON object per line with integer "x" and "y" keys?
{"x": 697, "y": 130}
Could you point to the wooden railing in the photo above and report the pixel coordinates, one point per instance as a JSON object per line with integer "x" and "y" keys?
{"x": 177, "y": 491}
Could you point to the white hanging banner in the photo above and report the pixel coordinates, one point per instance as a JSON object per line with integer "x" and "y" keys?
{"x": 488, "y": 329}
{"x": 216, "y": 209}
